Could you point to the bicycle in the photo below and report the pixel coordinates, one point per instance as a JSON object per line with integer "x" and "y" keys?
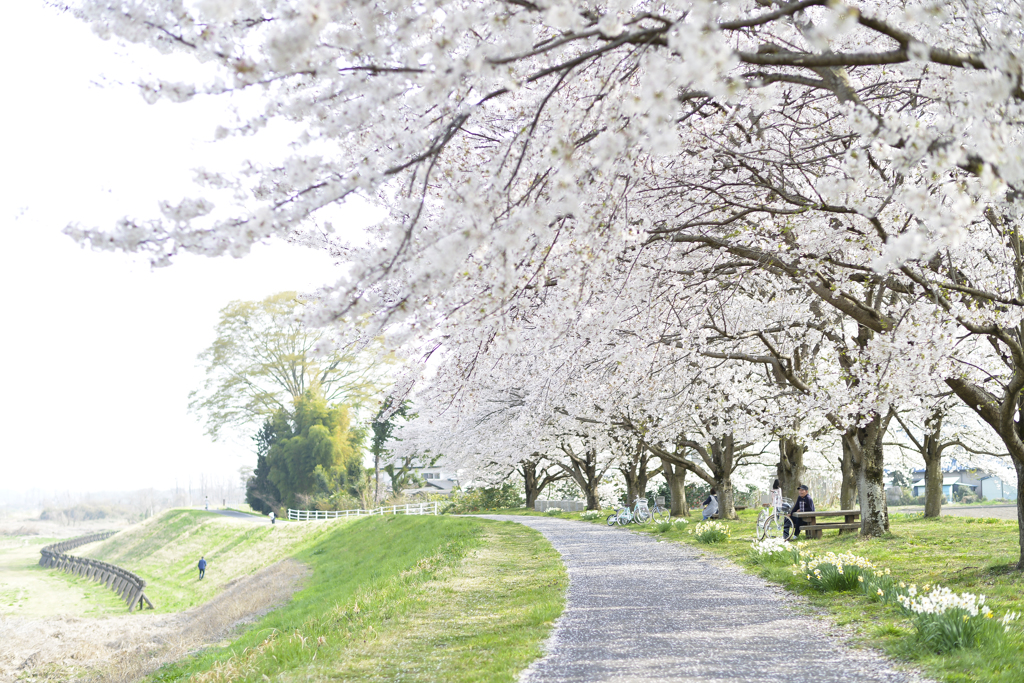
{"x": 641, "y": 512}
{"x": 659, "y": 513}
{"x": 775, "y": 522}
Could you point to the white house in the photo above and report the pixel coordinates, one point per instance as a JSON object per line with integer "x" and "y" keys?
{"x": 994, "y": 488}
{"x": 948, "y": 482}
{"x": 436, "y": 479}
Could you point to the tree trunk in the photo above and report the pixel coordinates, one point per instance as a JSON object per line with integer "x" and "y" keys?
{"x": 726, "y": 500}
{"x": 790, "y": 468}
{"x": 530, "y": 484}
{"x": 848, "y": 487}
{"x": 584, "y": 472}
{"x": 932, "y": 478}
{"x": 999, "y": 415}
{"x": 1019, "y": 466}
{"x": 675, "y": 475}
{"x": 874, "y": 513}
{"x": 635, "y": 471}
{"x": 722, "y": 456}
{"x": 631, "y": 484}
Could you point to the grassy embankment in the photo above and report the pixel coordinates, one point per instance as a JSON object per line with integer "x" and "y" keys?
{"x": 965, "y": 554}
{"x": 164, "y": 551}
{"x": 402, "y": 598}
{"x": 29, "y": 590}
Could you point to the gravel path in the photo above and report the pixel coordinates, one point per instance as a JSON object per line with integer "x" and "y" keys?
{"x": 990, "y": 511}
{"x": 638, "y": 609}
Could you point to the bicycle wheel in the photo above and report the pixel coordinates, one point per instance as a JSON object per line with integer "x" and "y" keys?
{"x": 762, "y": 523}
{"x": 660, "y": 515}
{"x": 642, "y": 516}
{"x": 787, "y": 528}
{"x": 612, "y": 518}
{"x": 773, "y": 527}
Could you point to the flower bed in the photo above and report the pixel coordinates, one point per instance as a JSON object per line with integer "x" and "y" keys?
{"x": 831, "y": 572}
{"x": 943, "y": 620}
{"x": 773, "y": 550}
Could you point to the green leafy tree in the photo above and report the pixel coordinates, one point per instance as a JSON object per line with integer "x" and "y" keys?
{"x": 317, "y": 443}
{"x": 383, "y": 431}
{"x": 260, "y": 493}
{"x": 263, "y": 361}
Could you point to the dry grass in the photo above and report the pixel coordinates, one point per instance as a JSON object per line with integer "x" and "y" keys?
{"x": 126, "y": 648}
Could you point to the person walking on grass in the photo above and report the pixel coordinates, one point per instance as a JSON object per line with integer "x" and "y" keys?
{"x": 272, "y": 517}
{"x": 202, "y": 567}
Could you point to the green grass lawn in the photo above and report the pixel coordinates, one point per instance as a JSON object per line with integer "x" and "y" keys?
{"x": 164, "y": 551}
{"x": 965, "y": 554}
{"x": 405, "y": 598}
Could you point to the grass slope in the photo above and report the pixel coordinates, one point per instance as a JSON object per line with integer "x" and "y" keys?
{"x": 965, "y": 554}
{"x": 164, "y": 551}
{"x": 29, "y": 590}
{"x": 403, "y": 598}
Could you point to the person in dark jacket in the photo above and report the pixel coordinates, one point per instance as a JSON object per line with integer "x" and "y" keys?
{"x": 803, "y": 503}
{"x": 202, "y": 567}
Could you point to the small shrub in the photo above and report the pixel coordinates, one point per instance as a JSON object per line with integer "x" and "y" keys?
{"x": 711, "y": 532}
{"x": 485, "y": 498}
{"x": 553, "y": 512}
{"x": 663, "y": 527}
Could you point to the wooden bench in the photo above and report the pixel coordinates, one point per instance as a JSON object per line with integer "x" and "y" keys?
{"x": 737, "y": 508}
{"x": 814, "y": 529}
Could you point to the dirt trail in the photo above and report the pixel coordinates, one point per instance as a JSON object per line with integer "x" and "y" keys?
{"x": 127, "y": 647}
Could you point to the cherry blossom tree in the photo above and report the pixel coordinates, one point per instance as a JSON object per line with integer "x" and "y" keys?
{"x": 554, "y": 168}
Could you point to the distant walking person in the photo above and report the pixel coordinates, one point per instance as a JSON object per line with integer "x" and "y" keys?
{"x": 207, "y": 502}
{"x": 202, "y": 567}
{"x": 272, "y": 517}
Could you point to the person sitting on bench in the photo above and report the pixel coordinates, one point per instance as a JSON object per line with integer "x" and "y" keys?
{"x": 710, "y": 505}
{"x": 803, "y": 503}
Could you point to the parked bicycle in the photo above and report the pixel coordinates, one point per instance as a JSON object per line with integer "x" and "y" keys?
{"x": 659, "y": 513}
{"x": 775, "y": 522}
{"x": 640, "y": 513}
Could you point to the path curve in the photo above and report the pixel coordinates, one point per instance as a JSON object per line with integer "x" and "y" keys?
{"x": 235, "y": 514}
{"x": 641, "y": 609}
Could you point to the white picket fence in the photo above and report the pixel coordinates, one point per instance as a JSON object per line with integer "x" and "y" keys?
{"x": 407, "y": 509}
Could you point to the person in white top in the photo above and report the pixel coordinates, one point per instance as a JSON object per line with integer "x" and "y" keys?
{"x": 776, "y": 499}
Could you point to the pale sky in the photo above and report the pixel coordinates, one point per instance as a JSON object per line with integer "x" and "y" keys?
{"x": 100, "y": 348}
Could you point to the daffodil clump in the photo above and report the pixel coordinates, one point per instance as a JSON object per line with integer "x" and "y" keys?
{"x": 831, "y": 572}
{"x": 711, "y": 532}
{"x": 663, "y": 527}
{"x": 881, "y": 586}
{"x": 772, "y": 550}
{"x": 946, "y": 620}
{"x": 591, "y": 514}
